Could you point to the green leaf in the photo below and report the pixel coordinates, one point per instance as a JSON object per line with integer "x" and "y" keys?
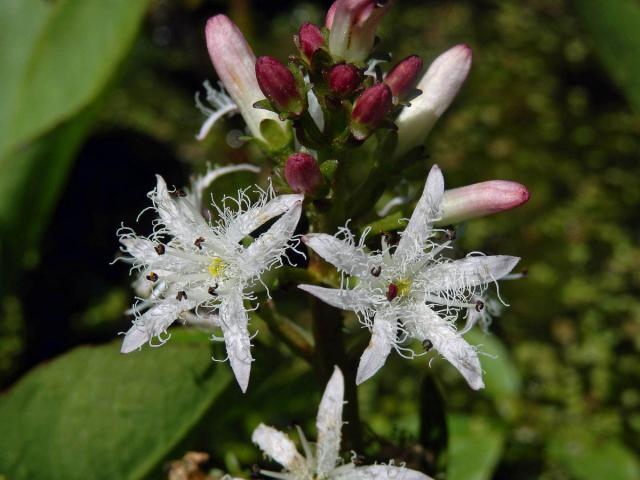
{"x": 94, "y": 413}
{"x": 56, "y": 57}
{"x": 475, "y": 447}
{"x": 588, "y": 457}
{"x": 614, "y": 26}
{"x": 30, "y": 188}
{"x": 501, "y": 378}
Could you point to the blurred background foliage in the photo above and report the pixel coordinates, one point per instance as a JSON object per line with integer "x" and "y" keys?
{"x": 97, "y": 96}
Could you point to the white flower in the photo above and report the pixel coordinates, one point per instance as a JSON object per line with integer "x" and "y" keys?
{"x": 221, "y": 105}
{"x": 202, "y": 266}
{"x": 412, "y": 292}
{"x": 322, "y": 461}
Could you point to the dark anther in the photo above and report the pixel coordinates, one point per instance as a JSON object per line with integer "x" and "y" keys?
{"x": 479, "y": 305}
{"x": 152, "y": 277}
{"x": 212, "y": 290}
{"x": 450, "y": 233}
{"x": 358, "y": 460}
{"x": 182, "y": 295}
{"x": 427, "y": 345}
{"x": 392, "y": 238}
{"x": 180, "y": 193}
{"x": 392, "y": 292}
{"x": 375, "y": 271}
{"x": 159, "y": 249}
{"x": 198, "y": 242}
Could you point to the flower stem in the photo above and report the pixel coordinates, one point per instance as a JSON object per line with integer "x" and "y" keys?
{"x": 330, "y": 351}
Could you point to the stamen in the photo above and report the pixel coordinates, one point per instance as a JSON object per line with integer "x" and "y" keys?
{"x": 182, "y": 295}
{"x": 392, "y": 292}
{"x": 160, "y": 249}
{"x": 375, "y": 271}
{"x": 216, "y": 267}
{"x": 479, "y": 305}
{"x": 152, "y": 277}
{"x": 427, "y": 345}
{"x": 198, "y": 242}
{"x": 212, "y": 290}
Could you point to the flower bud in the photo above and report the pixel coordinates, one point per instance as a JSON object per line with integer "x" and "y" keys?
{"x": 234, "y": 62}
{"x": 344, "y": 79}
{"x": 439, "y": 87}
{"x": 310, "y": 39}
{"x": 481, "y": 199}
{"x": 369, "y": 110}
{"x": 302, "y": 173}
{"x": 403, "y": 76}
{"x": 352, "y": 25}
{"x": 279, "y": 85}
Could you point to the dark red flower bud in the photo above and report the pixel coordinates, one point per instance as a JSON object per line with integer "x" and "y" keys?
{"x": 403, "y": 76}
{"x": 310, "y": 39}
{"x": 344, "y": 79}
{"x": 369, "y": 110}
{"x": 279, "y": 85}
{"x": 302, "y": 173}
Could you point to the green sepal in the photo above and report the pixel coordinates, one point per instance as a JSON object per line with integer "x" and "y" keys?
{"x": 265, "y": 104}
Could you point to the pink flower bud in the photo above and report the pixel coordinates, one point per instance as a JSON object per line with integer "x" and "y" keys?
{"x": 234, "y": 62}
{"x": 481, "y": 199}
{"x": 352, "y": 25}
{"x": 278, "y": 85}
{"x": 403, "y": 76}
{"x": 310, "y": 39}
{"x": 344, "y": 79}
{"x": 369, "y": 110}
{"x": 302, "y": 173}
{"x": 439, "y": 87}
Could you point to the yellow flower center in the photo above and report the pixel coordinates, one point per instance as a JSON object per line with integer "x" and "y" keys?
{"x": 216, "y": 267}
{"x": 404, "y": 286}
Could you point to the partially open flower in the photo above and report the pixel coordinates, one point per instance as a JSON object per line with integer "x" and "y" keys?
{"x": 279, "y": 85}
{"x": 369, "y": 110}
{"x": 403, "y": 76}
{"x": 481, "y": 199}
{"x": 439, "y": 87}
{"x": 352, "y": 25}
{"x": 344, "y": 79}
{"x": 310, "y": 39}
{"x": 234, "y": 62}
{"x": 302, "y": 173}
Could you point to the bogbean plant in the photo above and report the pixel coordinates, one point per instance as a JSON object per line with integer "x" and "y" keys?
{"x": 343, "y": 139}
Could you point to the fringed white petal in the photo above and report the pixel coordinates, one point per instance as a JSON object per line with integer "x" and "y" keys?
{"x": 426, "y": 212}
{"x": 234, "y": 323}
{"x": 427, "y": 325}
{"x": 270, "y": 246}
{"x": 182, "y": 219}
{"x": 341, "y": 254}
{"x": 468, "y": 272}
{"x": 329, "y": 423}
{"x": 154, "y": 322}
{"x": 202, "y": 182}
{"x": 382, "y": 472}
{"x": 356, "y": 300}
{"x": 278, "y": 446}
{"x": 247, "y": 222}
{"x": 382, "y": 340}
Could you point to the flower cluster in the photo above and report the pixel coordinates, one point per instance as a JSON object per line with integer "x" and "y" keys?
{"x": 321, "y": 460}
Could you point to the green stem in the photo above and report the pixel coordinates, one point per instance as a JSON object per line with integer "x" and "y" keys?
{"x": 330, "y": 351}
{"x": 287, "y": 332}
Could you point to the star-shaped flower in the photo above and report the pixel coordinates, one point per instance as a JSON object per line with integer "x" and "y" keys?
{"x": 411, "y": 290}
{"x": 322, "y": 461}
{"x": 203, "y": 266}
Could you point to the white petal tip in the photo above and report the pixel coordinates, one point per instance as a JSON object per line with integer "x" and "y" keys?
{"x": 133, "y": 340}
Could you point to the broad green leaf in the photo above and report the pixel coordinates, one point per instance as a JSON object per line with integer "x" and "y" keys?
{"x": 501, "y": 378}
{"x": 587, "y": 457}
{"x": 30, "y": 187}
{"x": 94, "y": 413}
{"x": 614, "y": 26}
{"x": 475, "y": 447}
{"x": 56, "y": 57}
